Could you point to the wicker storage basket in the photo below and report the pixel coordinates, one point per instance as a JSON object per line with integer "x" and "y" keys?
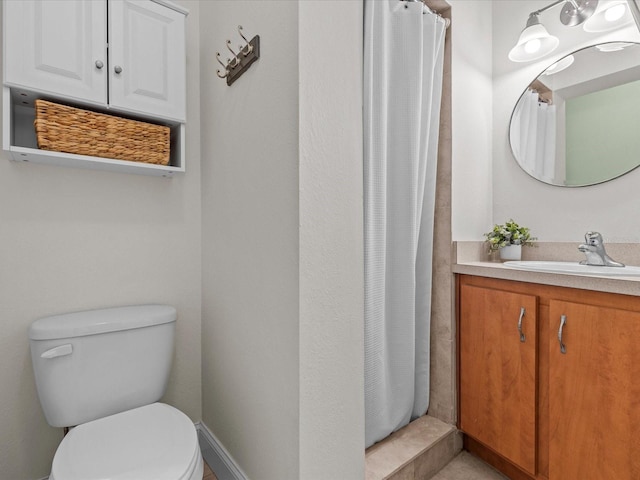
{"x": 72, "y": 130}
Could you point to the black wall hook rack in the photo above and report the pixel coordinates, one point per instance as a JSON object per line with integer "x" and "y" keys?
{"x": 241, "y": 61}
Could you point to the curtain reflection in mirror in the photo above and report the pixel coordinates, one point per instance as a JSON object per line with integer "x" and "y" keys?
{"x": 533, "y": 136}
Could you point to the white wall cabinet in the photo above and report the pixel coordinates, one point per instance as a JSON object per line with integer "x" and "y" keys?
{"x": 54, "y": 47}
{"x": 116, "y": 56}
{"x": 147, "y": 58}
{"x": 60, "y": 48}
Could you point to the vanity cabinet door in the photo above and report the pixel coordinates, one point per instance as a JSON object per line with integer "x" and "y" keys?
{"x": 57, "y": 47}
{"x": 147, "y": 58}
{"x": 498, "y": 372}
{"x": 594, "y": 393}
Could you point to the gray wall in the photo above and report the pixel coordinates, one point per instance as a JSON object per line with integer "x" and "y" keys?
{"x": 602, "y": 134}
{"x": 472, "y": 110}
{"x": 73, "y": 239}
{"x": 554, "y": 214}
{"x": 282, "y": 247}
{"x": 264, "y": 233}
{"x": 331, "y": 241}
{"x": 250, "y": 239}
{"x": 488, "y": 186}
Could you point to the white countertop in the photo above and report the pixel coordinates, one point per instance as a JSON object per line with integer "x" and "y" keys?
{"x": 466, "y": 255}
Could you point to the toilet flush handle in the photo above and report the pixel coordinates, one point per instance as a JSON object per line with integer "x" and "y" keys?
{"x": 58, "y": 351}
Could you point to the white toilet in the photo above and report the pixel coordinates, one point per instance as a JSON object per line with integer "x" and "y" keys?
{"x": 103, "y": 372}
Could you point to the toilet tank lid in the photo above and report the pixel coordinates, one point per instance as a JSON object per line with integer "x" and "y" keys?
{"x": 92, "y": 322}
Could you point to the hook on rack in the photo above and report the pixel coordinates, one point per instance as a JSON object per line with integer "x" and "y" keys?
{"x": 248, "y": 48}
{"x": 242, "y": 60}
{"x": 226, "y": 67}
{"x": 236, "y": 61}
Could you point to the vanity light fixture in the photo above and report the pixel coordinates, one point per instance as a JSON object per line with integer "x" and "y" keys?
{"x": 535, "y": 42}
{"x": 608, "y": 16}
{"x": 559, "y": 65}
{"x": 575, "y": 12}
{"x": 613, "y": 46}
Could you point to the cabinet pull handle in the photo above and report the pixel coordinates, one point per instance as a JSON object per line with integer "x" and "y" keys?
{"x": 99, "y": 64}
{"x": 522, "y": 337}
{"x": 563, "y": 322}
{"x": 117, "y": 69}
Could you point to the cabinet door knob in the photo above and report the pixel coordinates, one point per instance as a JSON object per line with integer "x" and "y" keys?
{"x": 563, "y": 322}
{"x": 117, "y": 69}
{"x": 522, "y": 337}
{"x": 99, "y": 64}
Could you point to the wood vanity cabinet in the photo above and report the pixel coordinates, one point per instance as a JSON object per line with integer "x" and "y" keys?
{"x": 585, "y": 396}
{"x": 594, "y": 393}
{"x": 498, "y": 371}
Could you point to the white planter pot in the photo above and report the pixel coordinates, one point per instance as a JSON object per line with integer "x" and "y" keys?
{"x": 511, "y": 252}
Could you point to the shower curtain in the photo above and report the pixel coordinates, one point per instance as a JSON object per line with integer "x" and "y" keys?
{"x": 533, "y": 136}
{"x": 403, "y": 45}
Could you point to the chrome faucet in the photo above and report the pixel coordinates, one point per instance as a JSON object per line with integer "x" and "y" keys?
{"x": 593, "y": 248}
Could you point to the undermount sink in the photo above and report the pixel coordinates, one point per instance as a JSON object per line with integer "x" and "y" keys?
{"x": 574, "y": 268}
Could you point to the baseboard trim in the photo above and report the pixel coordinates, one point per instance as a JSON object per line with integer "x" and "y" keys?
{"x": 218, "y": 458}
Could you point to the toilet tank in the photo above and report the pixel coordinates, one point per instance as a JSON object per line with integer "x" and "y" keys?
{"x": 92, "y": 364}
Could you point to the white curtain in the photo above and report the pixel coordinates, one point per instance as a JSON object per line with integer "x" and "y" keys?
{"x": 404, "y": 45}
{"x": 533, "y": 136}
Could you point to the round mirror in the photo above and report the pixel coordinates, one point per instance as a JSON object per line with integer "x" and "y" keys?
{"x": 578, "y": 122}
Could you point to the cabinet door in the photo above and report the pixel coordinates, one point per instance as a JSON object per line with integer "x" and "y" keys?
{"x": 147, "y": 58}
{"x": 594, "y": 393}
{"x": 498, "y": 372}
{"x": 57, "y": 47}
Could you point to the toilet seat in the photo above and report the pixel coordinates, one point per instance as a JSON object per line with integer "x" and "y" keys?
{"x": 154, "y": 442}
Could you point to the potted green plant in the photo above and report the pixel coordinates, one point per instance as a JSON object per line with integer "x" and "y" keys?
{"x": 508, "y": 239}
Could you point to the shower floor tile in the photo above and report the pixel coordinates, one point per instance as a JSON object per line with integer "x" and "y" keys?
{"x": 467, "y": 467}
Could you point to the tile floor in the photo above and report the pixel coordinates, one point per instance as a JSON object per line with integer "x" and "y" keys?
{"x": 464, "y": 467}
{"x": 467, "y": 467}
{"x": 208, "y": 473}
